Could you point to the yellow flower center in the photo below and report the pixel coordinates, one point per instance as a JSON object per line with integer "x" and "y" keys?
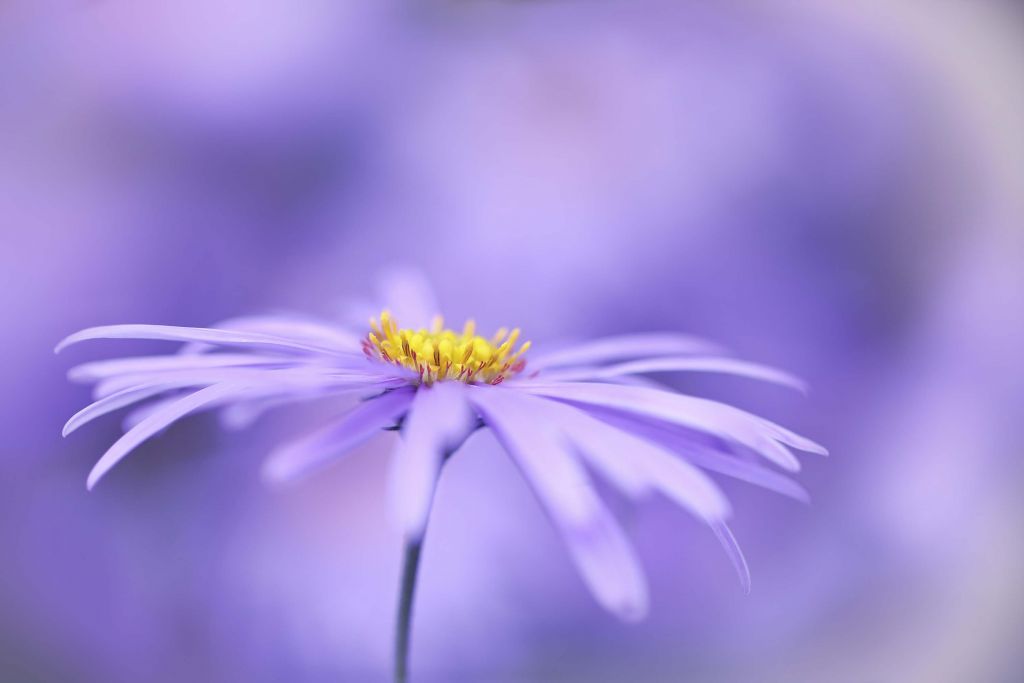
{"x": 441, "y": 354}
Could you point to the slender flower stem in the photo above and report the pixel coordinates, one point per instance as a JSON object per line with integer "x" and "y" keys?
{"x": 403, "y": 625}
{"x": 406, "y": 594}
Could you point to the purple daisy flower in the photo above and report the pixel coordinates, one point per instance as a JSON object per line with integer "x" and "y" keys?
{"x": 562, "y": 415}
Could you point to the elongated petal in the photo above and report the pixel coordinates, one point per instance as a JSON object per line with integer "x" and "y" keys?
{"x": 203, "y": 335}
{"x": 676, "y": 364}
{"x": 291, "y": 326}
{"x": 438, "y": 421}
{"x": 637, "y": 465}
{"x": 734, "y": 553}
{"x": 154, "y": 423}
{"x": 281, "y": 379}
{"x": 624, "y": 347}
{"x": 685, "y": 444}
{"x": 596, "y": 543}
{"x": 269, "y": 395}
{"x": 540, "y": 451}
{"x": 109, "y": 404}
{"x": 318, "y": 449}
{"x": 697, "y": 413}
{"x": 99, "y": 370}
{"x": 609, "y": 566}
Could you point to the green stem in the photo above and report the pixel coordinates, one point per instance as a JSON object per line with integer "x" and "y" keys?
{"x": 403, "y": 625}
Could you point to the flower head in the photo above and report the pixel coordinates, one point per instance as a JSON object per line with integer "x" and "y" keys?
{"x": 439, "y": 354}
{"x": 562, "y": 415}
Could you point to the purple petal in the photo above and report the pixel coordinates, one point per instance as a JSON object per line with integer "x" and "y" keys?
{"x": 608, "y": 564}
{"x": 316, "y": 450}
{"x": 99, "y": 370}
{"x": 624, "y": 347}
{"x": 268, "y": 396}
{"x": 109, "y": 404}
{"x": 203, "y": 335}
{"x": 136, "y": 415}
{"x": 280, "y": 379}
{"x": 539, "y": 450}
{"x": 637, "y": 465}
{"x": 291, "y": 326}
{"x": 595, "y": 541}
{"x": 733, "y": 551}
{"x": 697, "y": 413}
{"x": 156, "y": 422}
{"x": 438, "y": 421}
{"x": 687, "y": 445}
{"x": 676, "y": 364}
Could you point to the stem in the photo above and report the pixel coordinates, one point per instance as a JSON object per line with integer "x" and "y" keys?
{"x": 406, "y": 593}
{"x": 403, "y": 625}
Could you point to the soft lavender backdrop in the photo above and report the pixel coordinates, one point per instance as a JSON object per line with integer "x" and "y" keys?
{"x": 832, "y": 187}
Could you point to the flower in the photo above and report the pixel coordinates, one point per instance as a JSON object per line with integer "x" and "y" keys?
{"x": 562, "y": 415}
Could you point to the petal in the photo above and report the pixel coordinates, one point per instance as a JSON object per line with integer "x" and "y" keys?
{"x": 291, "y": 326}
{"x": 156, "y": 422}
{"x": 204, "y": 335}
{"x": 438, "y": 421}
{"x": 265, "y": 396}
{"x": 279, "y": 379}
{"x": 687, "y": 445}
{"x": 98, "y": 370}
{"x": 701, "y": 414}
{"x": 540, "y": 451}
{"x": 608, "y": 564}
{"x": 624, "y": 347}
{"x": 637, "y": 465}
{"x": 109, "y": 404}
{"x": 318, "y": 449}
{"x": 733, "y": 551}
{"x": 596, "y": 543}
{"x": 675, "y": 364}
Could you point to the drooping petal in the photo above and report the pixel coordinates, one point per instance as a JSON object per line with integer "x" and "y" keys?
{"x": 155, "y": 423}
{"x": 634, "y": 464}
{"x": 594, "y": 539}
{"x": 438, "y": 420}
{"x": 624, "y": 347}
{"x": 729, "y": 366}
{"x": 540, "y": 451}
{"x": 732, "y": 549}
{"x": 606, "y": 559}
{"x": 687, "y": 445}
{"x": 357, "y": 426}
{"x": 203, "y": 335}
{"x": 109, "y": 404}
{"x": 701, "y": 414}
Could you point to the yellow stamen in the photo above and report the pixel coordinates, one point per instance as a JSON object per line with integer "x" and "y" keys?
{"x": 443, "y": 354}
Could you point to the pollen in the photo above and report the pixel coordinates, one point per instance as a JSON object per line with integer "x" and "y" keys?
{"x": 440, "y": 354}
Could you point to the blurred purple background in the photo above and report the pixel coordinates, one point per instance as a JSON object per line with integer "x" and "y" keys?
{"x": 836, "y": 188}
